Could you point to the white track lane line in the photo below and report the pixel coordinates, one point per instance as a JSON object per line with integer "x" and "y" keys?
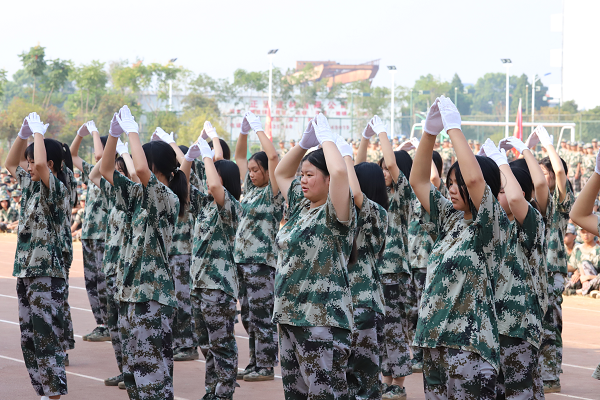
{"x": 578, "y": 366}
{"x": 582, "y": 309}
{"x": 568, "y": 395}
{"x": 70, "y": 286}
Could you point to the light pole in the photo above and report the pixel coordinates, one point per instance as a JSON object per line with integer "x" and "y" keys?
{"x": 533, "y": 90}
{"x": 171, "y": 61}
{"x": 456, "y": 97}
{"x": 392, "y": 69}
{"x": 507, "y": 62}
{"x": 271, "y": 53}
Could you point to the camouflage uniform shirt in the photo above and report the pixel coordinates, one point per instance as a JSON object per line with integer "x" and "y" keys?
{"x": 9, "y": 215}
{"x": 213, "y": 266}
{"x": 311, "y": 281}
{"x": 581, "y": 253}
{"x": 255, "y": 236}
{"x": 365, "y": 282}
{"x": 39, "y": 249}
{"x": 94, "y": 220}
{"x": 457, "y": 308}
{"x": 521, "y": 294}
{"x": 67, "y": 206}
{"x": 146, "y": 273}
{"x": 556, "y": 256}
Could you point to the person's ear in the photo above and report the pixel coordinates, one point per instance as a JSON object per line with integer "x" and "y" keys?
{"x": 50, "y": 164}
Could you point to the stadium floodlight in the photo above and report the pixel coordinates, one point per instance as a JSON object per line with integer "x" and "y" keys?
{"x": 172, "y": 60}
{"x": 271, "y": 53}
{"x": 507, "y": 62}
{"x": 392, "y": 69}
{"x": 274, "y": 51}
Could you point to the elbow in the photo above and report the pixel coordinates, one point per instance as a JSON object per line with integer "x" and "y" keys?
{"x": 273, "y": 157}
{"x": 474, "y": 181}
{"x": 142, "y": 170}
{"x": 40, "y": 165}
{"x": 338, "y": 171}
{"x": 212, "y": 187}
{"x": 98, "y": 157}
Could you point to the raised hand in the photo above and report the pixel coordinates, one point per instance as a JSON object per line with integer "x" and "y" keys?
{"x": 245, "y": 124}
{"x": 406, "y": 146}
{"x": 193, "y": 152}
{"x": 205, "y": 149}
{"x": 210, "y": 130}
{"x": 433, "y": 122}
{"x": 25, "y": 132}
{"x": 254, "y": 121}
{"x": 543, "y": 135}
{"x": 344, "y": 148}
{"x": 496, "y": 154}
{"x": 160, "y": 135}
{"x": 512, "y": 142}
{"x": 322, "y": 129}
{"x": 115, "y": 129}
{"x": 35, "y": 123}
{"x": 122, "y": 148}
{"x": 532, "y": 140}
{"x": 309, "y": 137}
{"x": 127, "y": 120}
{"x": 449, "y": 112}
{"x": 368, "y": 132}
{"x": 377, "y": 125}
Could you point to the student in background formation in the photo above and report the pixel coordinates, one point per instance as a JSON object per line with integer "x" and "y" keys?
{"x": 254, "y": 250}
{"x": 584, "y": 262}
{"x": 39, "y": 265}
{"x": 313, "y": 302}
{"x": 471, "y": 230}
{"x": 8, "y": 214}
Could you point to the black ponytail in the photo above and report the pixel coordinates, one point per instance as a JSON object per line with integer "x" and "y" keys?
{"x": 67, "y": 157}
{"x": 54, "y": 153}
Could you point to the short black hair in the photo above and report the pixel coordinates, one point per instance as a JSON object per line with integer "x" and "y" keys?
{"x": 524, "y": 178}
{"x": 261, "y": 159}
{"x": 437, "y": 160}
{"x": 230, "y": 175}
{"x": 491, "y": 175}
{"x": 372, "y": 183}
{"x": 317, "y": 158}
{"x": 403, "y": 161}
{"x": 225, "y": 147}
{"x": 548, "y": 164}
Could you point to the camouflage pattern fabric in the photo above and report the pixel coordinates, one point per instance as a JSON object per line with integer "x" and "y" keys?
{"x": 374, "y": 155}
{"x": 364, "y": 364}
{"x": 587, "y": 261}
{"x": 314, "y": 362}
{"x": 94, "y": 221}
{"x": 116, "y": 224}
{"x": 457, "y": 308}
{"x": 212, "y": 265}
{"x": 519, "y": 376}
{"x": 184, "y": 330}
{"x": 201, "y": 330}
{"x": 395, "y": 359}
{"x": 365, "y": 282}
{"x": 182, "y": 236}
{"x": 146, "y": 274}
{"x": 112, "y": 318}
{"x": 456, "y": 374}
{"x": 257, "y": 299}
{"x": 418, "y": 278}
{"x": 217, "y": 315}
{"x": 255, "y": 236}
{"x": 447, "y": 153}
{"x": 557, "y": 218}
{"x": 68, "y": 202}
{"x": 588, "y": 165}
{"x": 95, "y": 280}
{"x": 552, "y": 348}
{"x": 9, "y": 215}
{"x": 311, "y": 281}
{"x": 147, "y": 349}
{"x": 39, "y": 249}
{"x": 198, "y": 176}
{"x": 41, "y": 321}
{"x": 521, "y": 298}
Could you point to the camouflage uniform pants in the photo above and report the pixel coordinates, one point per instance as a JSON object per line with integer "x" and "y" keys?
{"x": 147, "y": 349}
{"x": 41, "y": 318}
{"x": 519, "y": 377}
{"x": 257, "y": 298}
{"x": 455, "y": 374}
{"x": 364, "y": 365}
{"x": 95, "y": 281}
{"x": 314, "y": 362}
{"x": 184, "y": 329}
{"x": 216, "y": 310}
{"x": 551, "y": 348}
{"x": 112, "y": 318}
{"x": 396, "y": 358}
{"x": 68, "y": 338}
{"x": 418, "y": 284}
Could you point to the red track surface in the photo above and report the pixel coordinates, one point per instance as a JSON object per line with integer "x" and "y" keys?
{"x": 91, "y": 363}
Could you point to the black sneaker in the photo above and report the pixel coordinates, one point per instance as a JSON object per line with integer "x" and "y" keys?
{"x": 66, "y": 359}
{"x": 101, "y": 335}
{"x": 186, "y": 354}
{"x": 114, "y": 381}
{"x": 249, "y": 369}
{"x": 94, "y": 332}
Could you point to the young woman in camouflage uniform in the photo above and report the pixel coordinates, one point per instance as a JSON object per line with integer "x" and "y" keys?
{"x": 521, "y": 294}
{"x": 557, "y": 218}
{"x": 583, "y": 214}
{"x": 457, "y": 324}
{"x": 117, "y": 227}
{"x": 368, "y": 340}
{"x": 146, "y": 288}
{"x": 313, "y": 302}
{"x": 39, "y": 265}
{"x": 93, "y": 232}
{"x": 254, "y": 250}
{"x": 394, "y": 270}
{"x": 213, "y": 270}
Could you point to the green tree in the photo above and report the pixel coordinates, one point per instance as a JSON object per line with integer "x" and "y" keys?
{"x": 91, "y": 81}
{"x": 463, "y": 100}
{"x": 56, "y": 76}
{"x": 257, "y": 81}
{"x": 34, "y": 64}
{"x": 3, "y": 82}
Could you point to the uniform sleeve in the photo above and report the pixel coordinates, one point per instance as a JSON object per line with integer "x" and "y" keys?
{"x": 295, "y": 197}
{"x": 54, "y": 193}
{"x": 85, "y": 170}
{"x": 376, "y": 216}
{"x": 198, "y": 200}
{"x": 23, "y": 178}
{"x": 127, "y": 193}
{"x": 564, "y": 207}
{"x": 531, "y": 231}
{"x": 228, "y": 213}
{"x": 340, "y": 228}
{"x": 440, "y": 208}
{"x": 492, "y": 225}
{"x": 107, "y": 190}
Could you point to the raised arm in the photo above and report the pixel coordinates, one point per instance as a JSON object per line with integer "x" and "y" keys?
{"x": 160, "y": 135}
{"x": 85, "y": 130}
{"x": 95, "y": 175}
{"x": 420, "y": 174}
{"x": 269, "y": 149}
{"x": 241, "y": 149}
{"x": 363, "y": 146}
{"x": 98, "y": 147}
{"x": 16, "y": 154}
{"x": 285, "y": 173}
{"x": 213, "y": 180}
{"x": 582, "y": 212}
{"x": 386, "y": 147}
{"x": 434, "y": 178}
{"x": 123, "y": 151}
{"x": 557, "y": 165}
{"x": 346, "y": 151}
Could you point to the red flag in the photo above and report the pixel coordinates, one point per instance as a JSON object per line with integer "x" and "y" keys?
{"x": 268, "y": 131}
{"x": 518, "y": 133}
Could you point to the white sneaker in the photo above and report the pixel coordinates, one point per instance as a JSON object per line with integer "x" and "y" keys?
{"x": 45, "y": 398}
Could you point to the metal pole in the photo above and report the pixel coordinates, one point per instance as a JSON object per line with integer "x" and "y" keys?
{"x": 456, "y": 97}
{"x": 392, "y": 110}
{"x": 411, "y": 109}
{"x": 352, "y": 115}
{"x": 507, "y": 100}
{"x": 270, "y": 81}
{"x": 170, "y": 95}
{"x": 526, "y": 98}
{"x": 533, "y": 100}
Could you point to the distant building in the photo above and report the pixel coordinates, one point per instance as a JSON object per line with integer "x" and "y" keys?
{"x": 335, "y": 72}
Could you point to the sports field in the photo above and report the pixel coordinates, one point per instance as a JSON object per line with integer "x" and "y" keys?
{"x": 91, "y": 363}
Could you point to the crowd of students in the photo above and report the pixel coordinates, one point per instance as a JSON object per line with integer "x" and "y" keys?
{"x": 354, "y": 274}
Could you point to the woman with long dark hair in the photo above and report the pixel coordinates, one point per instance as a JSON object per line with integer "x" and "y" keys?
{"x": 457, "y": 325}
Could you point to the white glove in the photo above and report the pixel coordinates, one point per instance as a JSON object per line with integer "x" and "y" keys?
{"x": 83, "y": 131}
{"x": 115, "y": 129}
{"x": 322, "y": 130}
{"x": 122, "y": 148}
{"x": 192, "y": 153}
{"x": 406, "y": 146}
{"x": 532, "y": 140}
{"x": 344, "y": 148}
{"x": 449, "y": 113}
{"x": 246, "y": 125}
{"x": 543, "y": 135}
{"x": 491, "y": 151}
{"x": 377, "y": 125}
{"x": 210, "y": 130}
{"x": 35, "y": 124}
{"x": 309, "y": 138}
{"x": 205, "y": 149}
{"x": 481, "y": 152}
{"x": 597, "y": 169}
{"x": 415, "y": 142}
{"x": 25, "y": 131}
{"x": 160, "y": 135}
{"x": 254, "y": 121}
{"x": 91, "y": 125}
{"x": 512, "y": 142}
{"x": 433, "y": 122}
{"x": 368, "y": 132}
{"x": 127, "y": 121}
